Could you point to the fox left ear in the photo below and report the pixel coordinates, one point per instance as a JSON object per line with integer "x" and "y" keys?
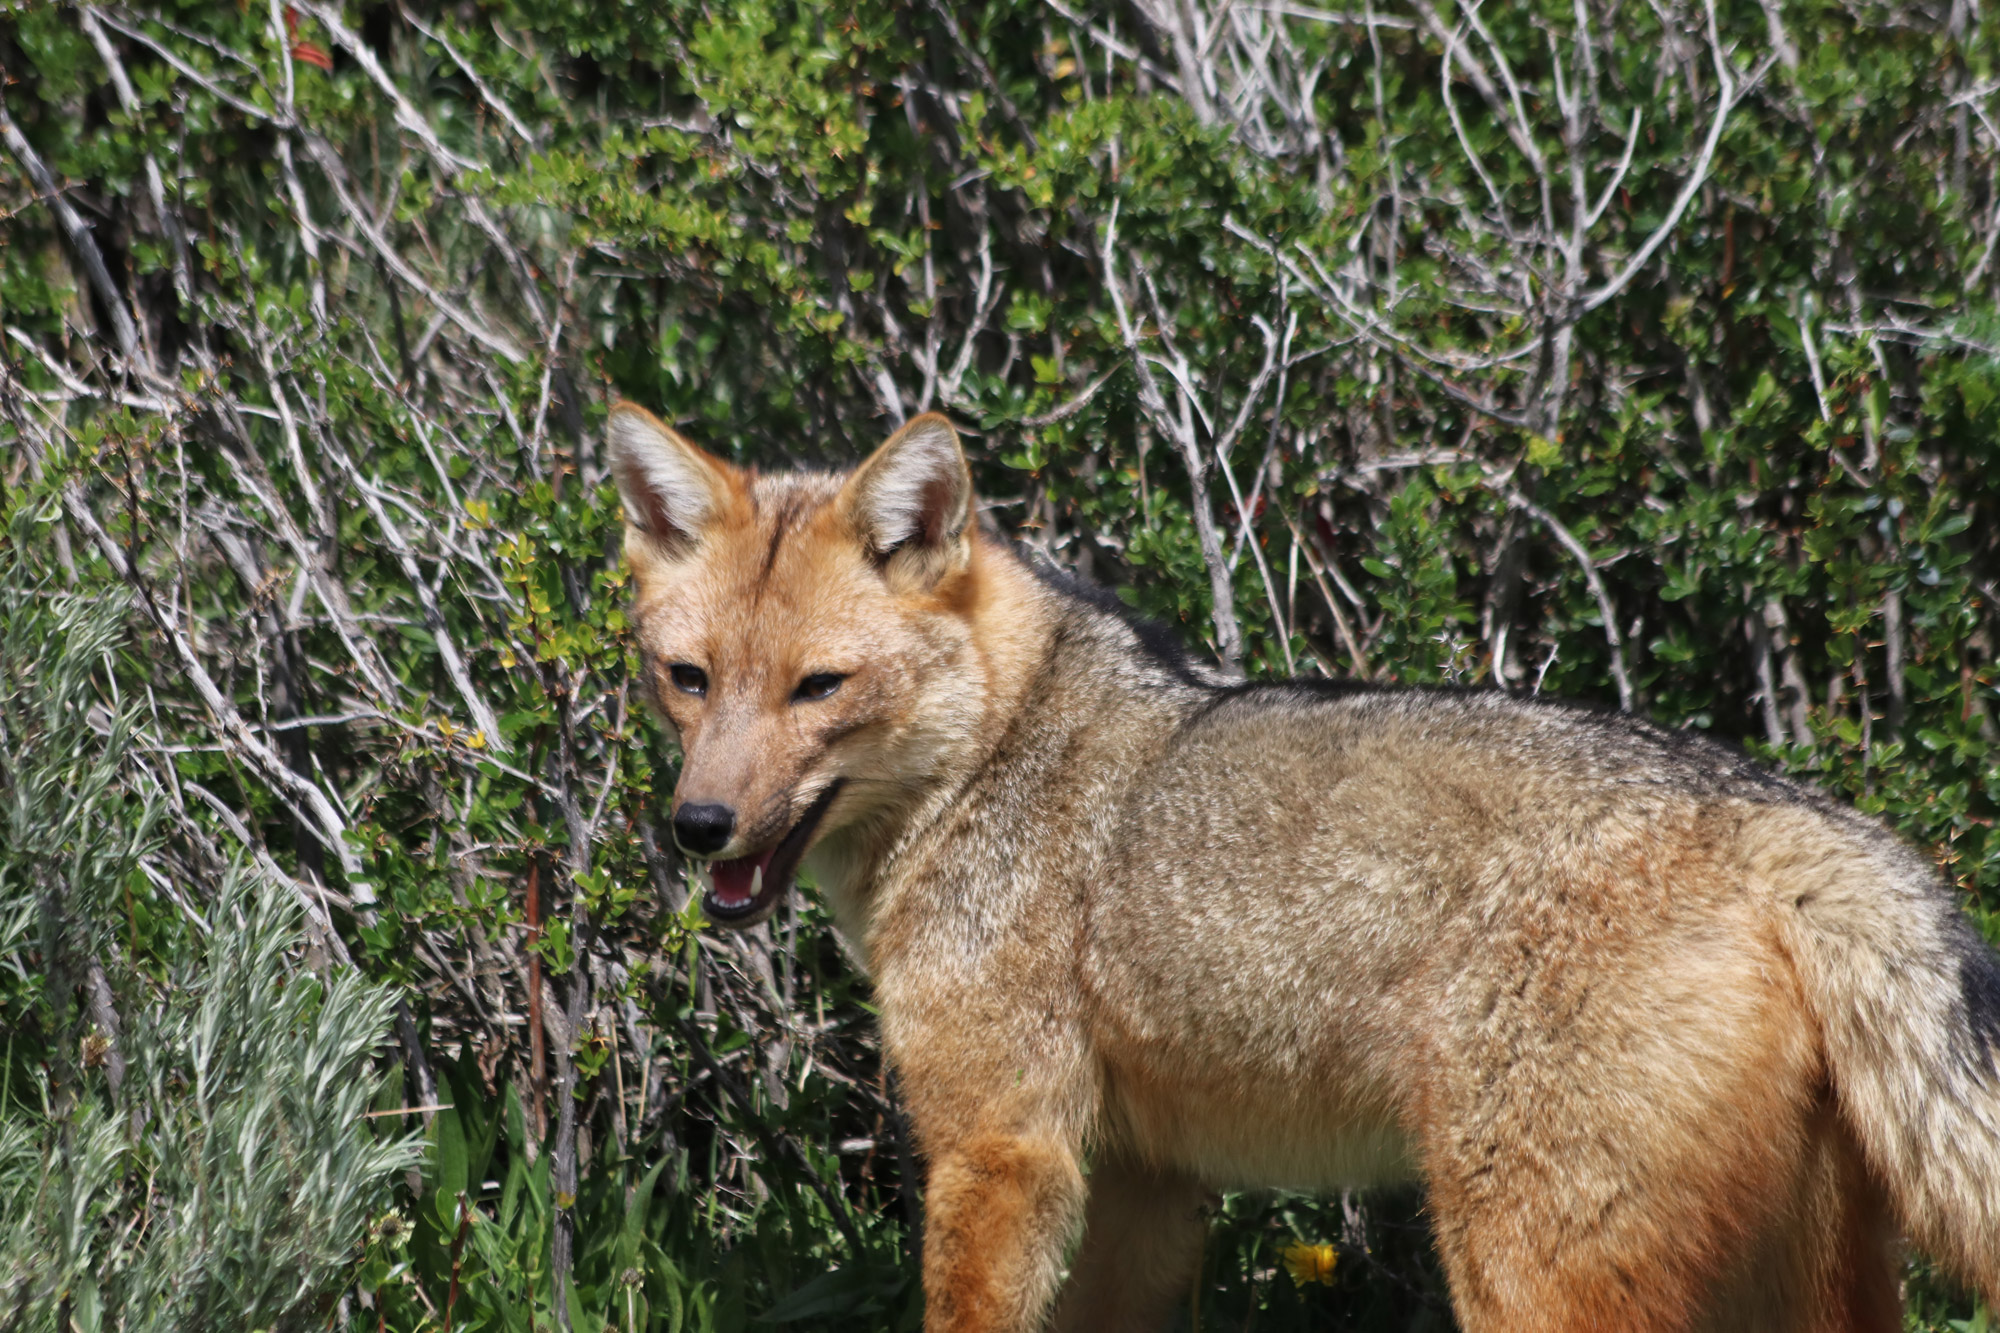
{"x": 672, "y": 490}
{"x": 912, "y": 499}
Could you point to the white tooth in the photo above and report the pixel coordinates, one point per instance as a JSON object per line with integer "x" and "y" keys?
{"x": 756, "y": 881}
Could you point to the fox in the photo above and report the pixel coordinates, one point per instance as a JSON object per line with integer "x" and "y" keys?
{"x": 1671, "y": 1042}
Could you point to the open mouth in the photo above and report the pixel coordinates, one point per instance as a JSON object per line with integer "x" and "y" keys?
{"x": 740, "y": 892}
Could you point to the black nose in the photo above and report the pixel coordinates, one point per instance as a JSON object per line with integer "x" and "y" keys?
{"x": 702, "y": 829}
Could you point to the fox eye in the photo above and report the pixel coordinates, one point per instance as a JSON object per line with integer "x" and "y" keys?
{"x": 818, "y": 686}
{"x": 688, "y": 679}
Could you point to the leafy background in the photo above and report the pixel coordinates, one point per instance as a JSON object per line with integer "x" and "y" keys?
{"x": 1637, "y": 353}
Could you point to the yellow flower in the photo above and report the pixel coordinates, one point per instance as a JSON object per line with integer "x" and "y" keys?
{"x": 1310, "y": 1263}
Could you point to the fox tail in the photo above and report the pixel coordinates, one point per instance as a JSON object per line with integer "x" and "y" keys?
{"x": 1907, "y": 996}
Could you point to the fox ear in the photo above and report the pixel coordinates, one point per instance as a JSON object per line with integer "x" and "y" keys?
{"x": 671, "y": 489}
{"x": 913, "y": 498}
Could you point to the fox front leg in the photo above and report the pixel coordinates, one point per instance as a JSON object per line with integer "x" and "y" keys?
{"x": 1142, "y": 1237}
{"x": 1000, "y": 1210}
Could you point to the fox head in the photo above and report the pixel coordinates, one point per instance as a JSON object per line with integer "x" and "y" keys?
{"x": 809, "y": 638}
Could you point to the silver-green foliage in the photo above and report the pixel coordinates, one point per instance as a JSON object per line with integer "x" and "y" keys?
{"x": 254, "y": 1077}
{"x": 223, "y": 1176}
{"x": 68, "y": 839}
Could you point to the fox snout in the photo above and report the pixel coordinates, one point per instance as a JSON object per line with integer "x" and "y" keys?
{"x": 704, "y": 829}
{"x": 741, "y": 772}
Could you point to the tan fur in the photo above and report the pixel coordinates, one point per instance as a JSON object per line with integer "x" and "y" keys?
{"x": 1672, "y": 1043}
{"x": 1143, "y": 1231}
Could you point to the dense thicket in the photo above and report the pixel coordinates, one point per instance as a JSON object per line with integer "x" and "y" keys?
{"x": 1639, "y": 353}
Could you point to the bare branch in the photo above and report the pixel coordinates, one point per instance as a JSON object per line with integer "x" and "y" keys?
{"x": 1597, "y": 590}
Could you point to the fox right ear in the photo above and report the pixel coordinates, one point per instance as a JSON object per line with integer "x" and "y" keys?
{"x": 671, "y": 489}
{"x": 912, "y": 500}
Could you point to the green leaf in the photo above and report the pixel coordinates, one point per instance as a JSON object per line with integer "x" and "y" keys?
{"x": 632, "y": 1230}
{"x": 449, "y": 1157}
